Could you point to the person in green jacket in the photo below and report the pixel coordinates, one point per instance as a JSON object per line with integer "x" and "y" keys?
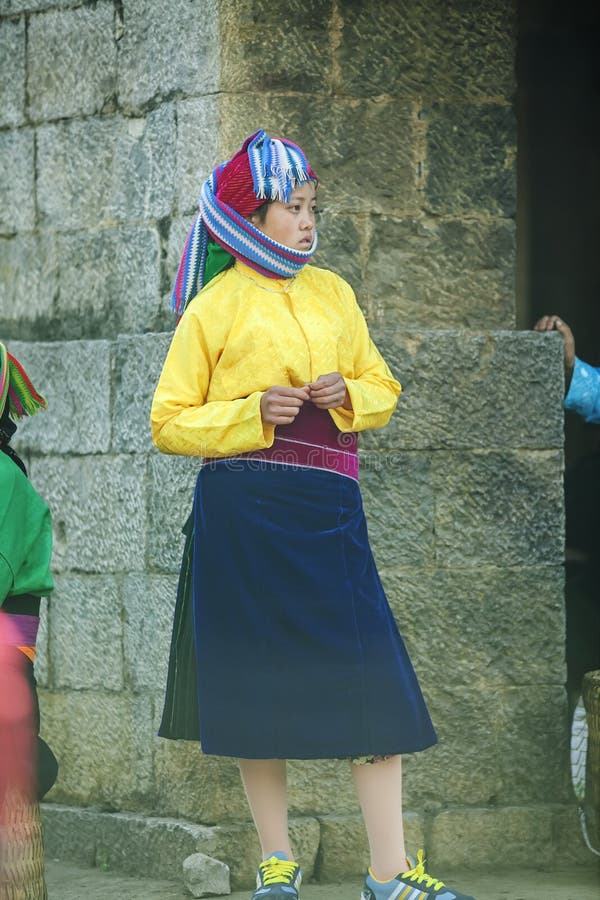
{"x": 28, "y": 767}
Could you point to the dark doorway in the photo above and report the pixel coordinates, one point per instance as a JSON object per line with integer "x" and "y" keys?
{"x": 558, "y": 108}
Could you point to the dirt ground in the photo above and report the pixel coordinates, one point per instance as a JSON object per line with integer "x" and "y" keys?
{"x": 67, "y": 882}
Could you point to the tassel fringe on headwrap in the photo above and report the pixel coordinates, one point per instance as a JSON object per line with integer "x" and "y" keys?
{"x": 264, "y": 169}
{"x": 16, "y": 390}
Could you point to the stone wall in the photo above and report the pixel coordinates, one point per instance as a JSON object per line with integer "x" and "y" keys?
{"x": 111, "y": 113}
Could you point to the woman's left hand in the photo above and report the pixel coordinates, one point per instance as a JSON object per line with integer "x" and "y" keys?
{"x": 330, "y": 392}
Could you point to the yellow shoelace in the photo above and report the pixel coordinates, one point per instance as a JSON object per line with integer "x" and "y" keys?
{"x": 419, "y": 874}
{"x": 277, "y": 871}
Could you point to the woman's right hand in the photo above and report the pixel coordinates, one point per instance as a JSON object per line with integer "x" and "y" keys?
{"x": 280, "y": 405}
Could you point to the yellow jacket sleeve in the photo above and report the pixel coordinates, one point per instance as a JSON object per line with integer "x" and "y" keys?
{"x": 372, "y": 388}
{"x": 182, "y": 420}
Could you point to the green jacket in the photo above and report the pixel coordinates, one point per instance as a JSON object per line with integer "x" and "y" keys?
{"x": 25, "y": 535}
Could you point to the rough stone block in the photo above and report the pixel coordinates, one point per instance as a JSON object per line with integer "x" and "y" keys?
{"x": 144, "y": 845}
{"x": 426, "y": 273}
{"x": 399, "y": 504}
{"x": 349, "y": 167}
{"x": 238, "y": 847}
{"x": 12, "y": 71}
{"x": 63, "y": 373}
{"x": 72, "y": 57}
{"x": 138, "y": 363}
{"x": 137, "y": 844}
{"x": 98, "y": 511}
{"x": 569, "y": 846}
{"x": 17, "y": 201}
{"x": 191, "y": 784}
{"x": 204, "y": 876}
{"x": 497, "y": 746}
{"x": 198, "y": 150}
{"x": 484, "y": 838}
{"x": 17, "y": 6}
{"x": 501, "y": 508}
{"x": 427, "y": 48}
{"x": 29, "y": 278}
{"x": 299, "y": 30}
{"x": 172, "y": 481}
{"x": 86, "y": 616}
{"x": 165, "y": 54}
{"x": 471, "y": 159}
{"x": 344, "y": 849}
{"x": 104, "y": 744}
{"x": 498, "y": 625}
{"x": 178, "y": 232}
{"x": 499, "y": 389}
{"x": 148, "y": 604}
{"x": 109, "y": 282}
{"x": 96, "y": 170}
{"x": 320, "y": 787}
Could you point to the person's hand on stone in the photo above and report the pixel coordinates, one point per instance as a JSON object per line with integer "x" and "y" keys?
{"x": 555, "y": 323}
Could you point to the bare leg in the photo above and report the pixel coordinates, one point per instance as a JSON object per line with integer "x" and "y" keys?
{"x": 379, "y": 789}
{"x": 266, "y": 789}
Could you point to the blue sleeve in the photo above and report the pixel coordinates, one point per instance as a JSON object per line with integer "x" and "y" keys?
{"x": 583, "y": 396}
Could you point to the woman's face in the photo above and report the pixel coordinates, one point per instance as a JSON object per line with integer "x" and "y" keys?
{"x": 292, "y": 224}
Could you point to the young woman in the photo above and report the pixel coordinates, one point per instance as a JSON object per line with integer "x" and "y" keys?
{"x": 270, "y": 375}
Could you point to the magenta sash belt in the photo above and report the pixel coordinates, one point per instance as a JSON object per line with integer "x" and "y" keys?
{"x": 312, "y": 441}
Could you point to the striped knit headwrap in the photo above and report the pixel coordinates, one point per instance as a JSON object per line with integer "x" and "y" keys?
{"x": 17, "y": 394}
{"x": 263, "y": 169}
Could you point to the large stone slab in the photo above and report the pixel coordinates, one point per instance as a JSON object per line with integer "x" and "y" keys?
{"x": 137, "y": 844}
{"x": 497, "y": 746}
{"x": 174, "y": 54}
{"x": 426, "y": 49}
{"x": 471, "y": 159}
{"x": 12, "y": 71}
{"x": 17, "y": 201}
{"x": 321, "y": 787}
{"x": 148, "y": 605}
{"x": 369, "y": 166}
{"x": 104, "y": 744}
{"x": 502, "y": 508}
{"x": 98, "y": 511}
{"x": 86, "y": 616}
{"x": 72, "y": 62}
{"x": 64, "y": 373}
{"x": 96, "y": 170}
{"x": 460, "y": 389}
{"x": 484, "y": 838}
{"x": 109, "y": 282}
{"x": 29, "y": 282}
{"x": 425, "y": 272}
{"x": 138, "y": 363}
{"x": 300, "y": 31}
{"x": 497, "y": 625}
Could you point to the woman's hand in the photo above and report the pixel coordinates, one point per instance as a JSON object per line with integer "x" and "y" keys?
{"x": 554, "y": 323}
{"x": 280, "y": 405}
{"x": 330, "y": 392}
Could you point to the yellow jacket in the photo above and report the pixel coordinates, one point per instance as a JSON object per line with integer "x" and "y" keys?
{"x": 244, "y": 333}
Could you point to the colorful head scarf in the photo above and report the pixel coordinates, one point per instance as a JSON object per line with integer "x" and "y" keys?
{"x": 263, "y": 169}
{"x": 18, "y": 397}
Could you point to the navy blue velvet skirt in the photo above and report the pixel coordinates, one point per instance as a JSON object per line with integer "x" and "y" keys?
{"x": 298, "y": 655}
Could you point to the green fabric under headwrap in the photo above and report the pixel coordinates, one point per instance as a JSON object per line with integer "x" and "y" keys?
{"x": 217, "y": 260}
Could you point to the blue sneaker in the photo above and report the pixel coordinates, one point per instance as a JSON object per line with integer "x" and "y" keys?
{"x": 277, "y": 879}
{"x": 415, "y": 884}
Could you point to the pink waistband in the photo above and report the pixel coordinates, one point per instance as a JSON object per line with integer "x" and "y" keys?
{"x": 311, "y": 441}
{"x": 20, "y": 630}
